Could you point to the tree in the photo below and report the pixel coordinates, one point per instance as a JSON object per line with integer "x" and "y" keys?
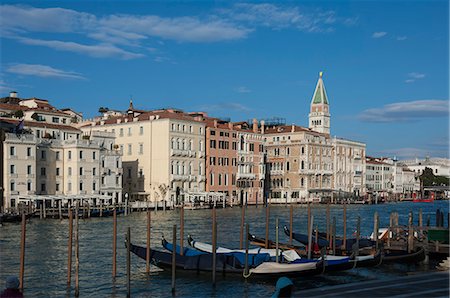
{"x": 429, "y": 179}
{"x": 103, "y": 110}
{"x": 18, "y": 114}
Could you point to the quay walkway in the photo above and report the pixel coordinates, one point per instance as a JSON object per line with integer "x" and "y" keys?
{"x": 432, "y": 284}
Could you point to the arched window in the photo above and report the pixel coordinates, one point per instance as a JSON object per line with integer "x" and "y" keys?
{"x": 183, "y": 170}
{"x": 174, "y": 145}
{"x": 303, "y": 165}
{"x": 302, "y": 182}
{"x": 172, "y": 168}
{"x": 178, "y": 144}
{"x": 178, "y": 168}
{"x": 191, "y": 144}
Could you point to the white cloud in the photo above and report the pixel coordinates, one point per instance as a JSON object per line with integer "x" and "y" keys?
{"x": 43, "y": 71}
{"x": 98, "y": 50}
{"x": 401, "y": 38}
{"x": 379, "y": 34}
{"x": 413, "y": 76}
{"x": 243, "y": 89}
{"x": 407, "y": 111}
{"x": 413, "y": 152}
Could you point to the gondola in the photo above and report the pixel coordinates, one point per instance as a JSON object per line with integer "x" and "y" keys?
{"x": 402, "y": 256}
{"x": 364, "y": 260}
{"x": 225, "y": 263}
{"x": 303, "y": 238}
{"x": 105, "y": 213}
{"x": 10, "y": 217}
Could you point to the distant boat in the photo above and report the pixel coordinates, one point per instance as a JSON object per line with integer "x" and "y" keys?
{"x": 429, "y": 199}
{"x": 10, "y": 217}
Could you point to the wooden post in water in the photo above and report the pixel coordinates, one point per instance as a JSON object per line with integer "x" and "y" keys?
{"x": 147, "y": 255}
{"x": 334, "y": 235}
{"x": 182, "y": 229}
{"x": 410, "y": 233}
{"x": 77, "y": 260}
{"x": 246, "y": 250}
{"x": 128, "y": 262}
{"x": 420, "y": 222}
{"x": 45, "y": 209}
{"x": 241, "y": 239}
{"x": 391, "y": 219}
{"x": 344, "y": 242}
{"x": 69, "y": 249}
{"x": 101, "y": 209}
{"x": 276, "y": 240}
{"x": 375, "y": 229}
{"x": 291, "y": 223}
{"x": 22, "y": 251}
{"x": 358, "y": 233}
{"x": 267, "y": 225}
{"x": 114, "y": 268}
{"x": 308, "y": 230}
{"x": 41, "y": 214}
{"x": 60, "y": 210}
{"x": 174, "y": 268}
{"x": 214, "y": 245}
{"x": 328, "y": 223}
{"x": 310, "y": 236}
{"x": 317, "y": 236}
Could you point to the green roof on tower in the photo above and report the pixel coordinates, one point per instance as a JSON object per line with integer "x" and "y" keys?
{"x": 320, "y": 95}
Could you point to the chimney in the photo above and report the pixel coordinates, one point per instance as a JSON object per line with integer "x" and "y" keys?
{"x": 262, "y": 126}
{"x": 230, "y": 125}
{"x": 292, "y": 128}
{"x": 13, "y": 94}
{"x": 255, "y": 125}
{"x": 215, "y": 123}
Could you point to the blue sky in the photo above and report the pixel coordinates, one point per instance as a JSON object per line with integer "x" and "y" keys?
{"x": 386, "y": 64}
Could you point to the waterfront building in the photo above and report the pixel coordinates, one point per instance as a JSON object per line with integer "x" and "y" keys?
{"x": 440, "y": 166}
{"x": 379, "y": 177}
{"x": 234, "y": 160}
{"x": 163, "y": 153}
{"x": 406, "y": 181}
{"x": 300, "y": 164}
{"x": 45, "y": 159}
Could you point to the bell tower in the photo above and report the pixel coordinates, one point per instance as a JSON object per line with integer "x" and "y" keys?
{"x": 319, "y": 115}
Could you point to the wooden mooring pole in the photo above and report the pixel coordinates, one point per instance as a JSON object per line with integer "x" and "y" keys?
{"x": 60, "y": 210}
{"x": 247, "y": 229}
{"x": 308, "y": 229}
{"x": 149, "y": 227}
{"x": 214, "y": 245}
{"x": 69, "y": 249}
{"x": 410, "y": 233}
{"x": 114, "y": 268}
{"x": 22, "y": 252}
{"x": 328, "y": 223}
{"x": 375, "y": 229}
{"x": 77, "y": 259}
{"x": 267, "y": 225}
{"x": 276, "y": 239}
{"x": 291, "y": 223}
{"x": 128, "y": 262}
{"x": 334, "y": 235}
{"x": 310, "y": 236}
{"x": 241, "y": 239}
{"x": 182, "y": 229}
{"x": 174, "y": 268}
{"x": 344, "y": 242}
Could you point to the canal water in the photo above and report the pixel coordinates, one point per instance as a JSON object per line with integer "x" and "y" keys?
{"x": 46, "y": 251}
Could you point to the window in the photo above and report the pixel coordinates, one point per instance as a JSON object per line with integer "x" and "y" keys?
{"x": 69, "y": 155}
{"x": 94, "y": 171}
{"x": 129, "y": 172}
{"x": 12, "y": 186}
{"x": 69, "y": 170}
{"x": 129, "y": 131}
{"x": 43, "y": 187}
{"x": 201, "y": 130}
{"x": 212, "y": 143}
{"x": 103, "y": 180}
{"x": 69, "y": 186}
{"x": 213, "y": 133}
{"x": 211, "y": 179}
{"x": 57, "y": 187}
{"x": 55, "y": 119}
{"x": 129, "y": 149}
{"x": 94, "y": 186}
{"x": 81, "y": 185}
{"x": 141, "y": 148}
{"x": 12, "y": 169}
{"x": 287, "y": 166}
{"x": 29, "y": 169}
{"x": 57, "y": 172}
{"x": 81, "y": 171}
{"x": 94, "y": 155}
{"x": 57, "y": 155}
{"x": 29, "y": 185}
{"x": 28, "y": 151}
{"x": 303, "y": 165}
{"x": 43, "y": 172}
{"x": 12, "y": 151}
{"x": 141, "y": 130}
{"x": 117, "y": 181}
{"x": 43, "y": 154}
{"x": 220, "y": 179}
{"x": 121, "y": 132}
{"x": 81, "y": 154}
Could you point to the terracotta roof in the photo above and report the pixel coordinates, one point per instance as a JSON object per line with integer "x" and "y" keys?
{"x": 41, "y": 124}
{"x": 288, "y": 129}
{"x": 54, "y": 112}
{"x": 13, "y": 107}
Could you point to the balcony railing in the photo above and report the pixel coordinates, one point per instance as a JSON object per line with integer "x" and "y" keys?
{"x": 248, "y": 176}
{"x": 276, "y": 172}
{"x": 201, "y": 178}
{"x": 179, "y": 177}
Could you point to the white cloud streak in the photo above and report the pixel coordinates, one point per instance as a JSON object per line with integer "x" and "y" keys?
{"x": 231, "y": 106}
{"x": 44, "y": 71}
{"x": 379, "y": 34}
{"x": 401, "y": 38}
{"x": 407, "y": 111}
{"x": 243, "y": 89}
{"x": 413, "y": 76}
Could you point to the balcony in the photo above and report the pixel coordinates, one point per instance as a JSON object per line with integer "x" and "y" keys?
{"x": 246, "y": 176}
{"x": 30, "y": 175}
{"x": 358, "y": 173}
{"x": 276, "y": 172}
{"x": 192, "y": 178}
{"x": 201, "y": 154}
{"x": 179, "y": 177}
{"x": 201, "y": 178}
{"x": 14, "y": 192}
{"x": 177, "y": 152}
{"x": 119, "y": 171}
{"x": 192, "y": 153}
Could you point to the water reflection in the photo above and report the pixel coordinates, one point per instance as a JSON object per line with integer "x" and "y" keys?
{"x": 46, "y": 250}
